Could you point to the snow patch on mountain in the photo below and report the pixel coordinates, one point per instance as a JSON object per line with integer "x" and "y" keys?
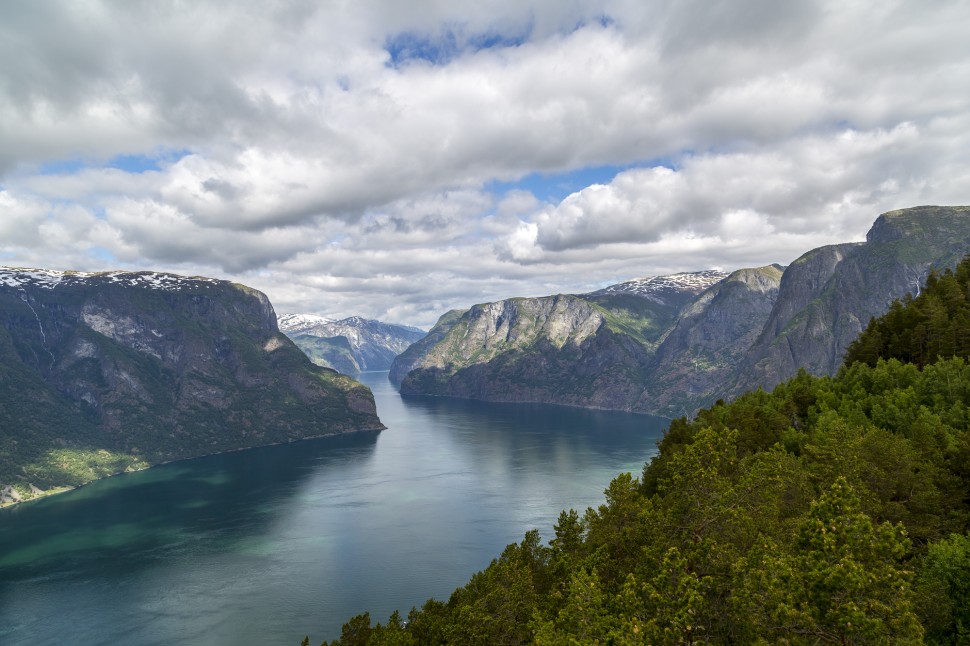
{"x": 655, "y": 287}
{"x": 51, "y": 279}
{"x": 301, "y": 322}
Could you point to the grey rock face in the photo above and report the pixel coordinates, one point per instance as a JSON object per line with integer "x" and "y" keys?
{"x": 829, "y": 295}
{"x": 709, "y": 339}
{"x": 409, "y": 359}
{"x": 591, "y": 350}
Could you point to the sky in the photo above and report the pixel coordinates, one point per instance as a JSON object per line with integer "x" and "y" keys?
{"x": 396, "y": 160}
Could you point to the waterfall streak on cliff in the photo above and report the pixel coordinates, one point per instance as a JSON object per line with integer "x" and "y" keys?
{"x": 43, "y": 336}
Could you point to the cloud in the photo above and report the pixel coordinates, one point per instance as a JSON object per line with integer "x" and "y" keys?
{"x": 344, "y": 156}
{"x": 816, "y": 186}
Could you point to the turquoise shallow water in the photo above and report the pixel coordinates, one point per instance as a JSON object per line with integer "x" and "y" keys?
{"x": 264, "y": 546}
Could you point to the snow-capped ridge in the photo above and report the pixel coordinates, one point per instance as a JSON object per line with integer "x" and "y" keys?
{"x": 651, "y": 287}
{"x": 313, "y": 323}
{"x": 51, "y": 278}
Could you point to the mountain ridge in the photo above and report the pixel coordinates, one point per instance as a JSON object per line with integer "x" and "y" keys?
{"x": 715, "y": 342}
{"x": 111, "y": 371}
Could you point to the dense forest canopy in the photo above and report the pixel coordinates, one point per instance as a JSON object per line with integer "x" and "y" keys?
{"x": 830, "y": 510}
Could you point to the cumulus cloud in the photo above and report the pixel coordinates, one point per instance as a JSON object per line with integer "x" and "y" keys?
{"x": 817, "y": 187}
{"x": 367, "y": 157}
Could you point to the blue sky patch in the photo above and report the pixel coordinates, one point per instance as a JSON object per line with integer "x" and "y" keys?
{"x": 128, "y": 163}
{"x": 555, "y": 187}
{"x": 62, "y": 167}
{"x": 102, "y": 254}
{"x": 134, "y": 163}
{"x": 447, "y": 45}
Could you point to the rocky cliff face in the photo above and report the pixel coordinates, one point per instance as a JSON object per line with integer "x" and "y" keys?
{"x": 100, "y": 373}
{"x": 409, "y": 359}
{"x": 707, "y": 342}
{"x": 590, "y": 350}
{"x": 557, "y": 348}
{"x": 349, "y": 345}
{"x": 830, "y": 294}
{"x": 631, "y": 347}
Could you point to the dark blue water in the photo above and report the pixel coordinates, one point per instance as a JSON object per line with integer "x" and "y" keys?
{"x": 264, "y": 546}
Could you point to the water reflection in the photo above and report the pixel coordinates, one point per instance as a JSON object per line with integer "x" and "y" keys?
{"x": 119, "y": 520}
{"x": 264, "y": 546}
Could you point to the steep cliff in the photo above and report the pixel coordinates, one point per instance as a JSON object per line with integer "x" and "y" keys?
{"x": 828, "y": 296}
{"x": 709, "y": 339}
{"x": 557, "y": 348}
{"x": 349, "y": 345}
{"x": 402, "y": 364}
{"x": 101, "y": 373}
{"x": 591, "y": 350}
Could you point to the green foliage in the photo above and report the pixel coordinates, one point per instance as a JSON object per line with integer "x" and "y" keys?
{"x": 841, "y": 581}
{"x": 830, "y": 510}
{"x": 583, "y": 617}
{"x": 671, "y": 604}
{"x": 944, "y": 586}
{"x": 935, "y": 324}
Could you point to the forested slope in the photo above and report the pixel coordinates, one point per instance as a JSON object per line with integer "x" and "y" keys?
{"x": 830, "y": 510}
{"x": 108, "y": 372}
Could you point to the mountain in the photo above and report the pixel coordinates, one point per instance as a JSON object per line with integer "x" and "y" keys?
{"x": 107, "y": 372}
{"x": 673, "y": 289}
{"x": 829, "y": 295}
{"x": 710, "y": 338}
{"x": 588, "y": 350}
{"x": 403, "y": 363}
{"x": 670, "y": 345}
{"x": 350, "y": 345}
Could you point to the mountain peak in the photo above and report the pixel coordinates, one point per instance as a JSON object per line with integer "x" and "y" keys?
{"x": 656, "y": 287}
{"x": 301, "y": 322}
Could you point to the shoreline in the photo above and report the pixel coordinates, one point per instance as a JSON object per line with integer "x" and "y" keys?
{"x": 46, "y": 493}
{"x": 599, "y": 409}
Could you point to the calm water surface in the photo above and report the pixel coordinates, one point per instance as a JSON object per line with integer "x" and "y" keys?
{"x": 264, "y": 546}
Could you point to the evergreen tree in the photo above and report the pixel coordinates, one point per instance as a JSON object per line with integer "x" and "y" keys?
{"x": 842, "y": 582}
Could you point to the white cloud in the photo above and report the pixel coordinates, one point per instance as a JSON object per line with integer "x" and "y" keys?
{"x": 293, "y": 155}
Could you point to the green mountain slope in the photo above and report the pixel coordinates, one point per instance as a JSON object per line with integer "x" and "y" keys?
{"x": 108, "y": 372}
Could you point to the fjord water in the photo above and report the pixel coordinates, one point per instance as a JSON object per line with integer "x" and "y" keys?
{"x": 266, "y": 545}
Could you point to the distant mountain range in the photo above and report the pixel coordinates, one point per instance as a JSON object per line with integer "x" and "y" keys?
{"x": 350, "y": 345}
{"x": 672, "y": 344}
{"x": 107, "y": 372}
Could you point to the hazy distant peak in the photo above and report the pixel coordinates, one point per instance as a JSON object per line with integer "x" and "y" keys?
{"x": 301, "y": 322}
